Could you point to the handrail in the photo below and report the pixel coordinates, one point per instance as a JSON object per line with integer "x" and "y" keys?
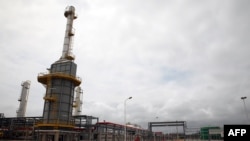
{"x": 59, "y": 73}
{"x": 56, "y": 122}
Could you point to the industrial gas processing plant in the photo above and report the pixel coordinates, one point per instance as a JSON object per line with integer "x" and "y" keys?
{"x": 62, "y": 119}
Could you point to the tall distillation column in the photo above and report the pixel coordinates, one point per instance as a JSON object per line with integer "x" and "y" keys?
{"x": 78, "y": 101}
{"x": 23, "y": 99}
{"x": 60, "y": 82}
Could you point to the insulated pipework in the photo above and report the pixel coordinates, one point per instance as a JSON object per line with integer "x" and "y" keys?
{"x": 69, "y": 34}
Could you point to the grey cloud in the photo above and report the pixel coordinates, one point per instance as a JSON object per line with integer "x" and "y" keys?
{"x": 179, "y": 60}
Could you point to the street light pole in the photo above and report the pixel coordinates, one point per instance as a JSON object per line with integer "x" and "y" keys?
{"x": 125, "y": 127}
{"x": 243, "y": 99}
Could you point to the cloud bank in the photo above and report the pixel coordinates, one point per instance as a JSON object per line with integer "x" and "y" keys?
{"x": 179, "y": 60}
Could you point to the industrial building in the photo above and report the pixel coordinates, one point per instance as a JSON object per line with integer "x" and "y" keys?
{"x": 62, "y": 119}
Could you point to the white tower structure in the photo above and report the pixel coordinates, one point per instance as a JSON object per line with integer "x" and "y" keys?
{"x": 78, "y": 101}
{"x": 23, "y": 99}
{"x": 69, "y": 34}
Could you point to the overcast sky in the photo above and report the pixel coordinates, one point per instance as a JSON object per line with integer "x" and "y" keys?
{"x": 179, "y": 60}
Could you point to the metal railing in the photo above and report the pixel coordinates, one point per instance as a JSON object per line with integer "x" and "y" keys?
{"x": 59, "y": 74}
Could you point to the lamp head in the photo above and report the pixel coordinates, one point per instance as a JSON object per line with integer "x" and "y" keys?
{"x": 243, "y": 97}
